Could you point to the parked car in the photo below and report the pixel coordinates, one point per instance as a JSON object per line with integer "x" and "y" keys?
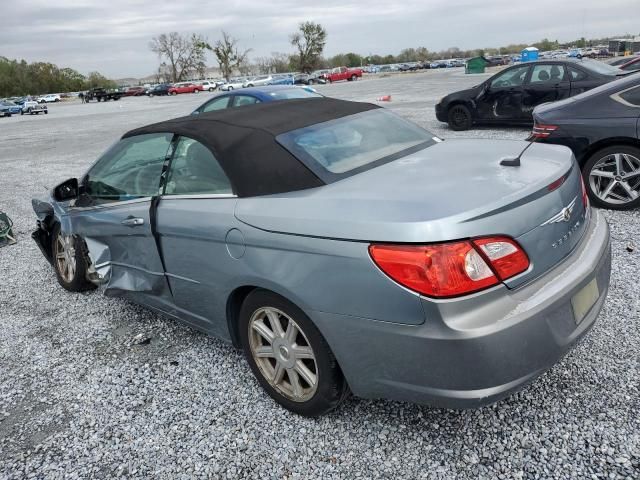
{"x": 135, "y": 91}
{"x": 282, "y": 79}
{"x": 233, "y": 84}
{"x": 255, "y": 95}
{"x": 50, "y": 98}
{"x": 496, "y": 60}
{"x": 208, "y": 86}
{"x": 510, "y": 96}
{"x": 602, "y": 128}
{"x": 617, "y": 61}
{"x": 320, "y": 236}
{"x": 184, "y": 87}
{"x": 259, "y": 81}
{"x": 32, "y": 107}
{"x": 102, "y": 94}
{"x": 308, "y": 79}
{"x": 8, "y": 108}
{"x": 159, "y": 90}
{"x": 343, "y": 73}
{"x": 633, "y": 65}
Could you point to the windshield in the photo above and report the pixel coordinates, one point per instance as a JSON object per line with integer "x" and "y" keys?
{"x": 345, "y": 146}
{"x": 600, "y": 67}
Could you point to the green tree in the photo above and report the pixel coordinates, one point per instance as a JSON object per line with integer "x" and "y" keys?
{"x": 310, "y": 41}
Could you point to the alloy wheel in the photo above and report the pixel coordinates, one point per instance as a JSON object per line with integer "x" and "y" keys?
{"x": 615, "y": 178}
{"x": 66, "y": 257}
{"x": 283, "y": 354}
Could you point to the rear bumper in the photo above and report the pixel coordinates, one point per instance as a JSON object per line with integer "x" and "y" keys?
{"x": 473, "y": 354}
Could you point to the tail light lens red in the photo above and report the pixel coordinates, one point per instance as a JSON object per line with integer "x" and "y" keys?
{"x": 542, "y": 131}
{"x": 451, "y": 269}
{"x": 585, "y": 197}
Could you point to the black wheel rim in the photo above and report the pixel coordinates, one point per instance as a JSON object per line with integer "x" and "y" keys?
{"x": 459, "y": 117}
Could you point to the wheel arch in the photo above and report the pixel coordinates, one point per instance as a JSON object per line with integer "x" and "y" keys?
{"x": 605, "y": 143}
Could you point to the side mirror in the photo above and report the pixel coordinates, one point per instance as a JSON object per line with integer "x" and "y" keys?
{"x": 67, "y": 190}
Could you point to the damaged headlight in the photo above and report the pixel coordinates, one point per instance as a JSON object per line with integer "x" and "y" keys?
{"x": 6, "y": 232}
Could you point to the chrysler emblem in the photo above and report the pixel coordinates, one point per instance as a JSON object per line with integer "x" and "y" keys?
{"x": 564, "y": 215}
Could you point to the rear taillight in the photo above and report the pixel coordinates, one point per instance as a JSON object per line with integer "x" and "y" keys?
{"x": 542, "y": 131}
{"x": 451, "y": 269}
{"x": 585, "y": 197}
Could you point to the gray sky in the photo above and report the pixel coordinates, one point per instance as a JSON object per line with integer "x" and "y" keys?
{"x": 112, "y": 36}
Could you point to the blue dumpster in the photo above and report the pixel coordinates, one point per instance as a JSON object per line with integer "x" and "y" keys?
{"x": 529, "y": 54}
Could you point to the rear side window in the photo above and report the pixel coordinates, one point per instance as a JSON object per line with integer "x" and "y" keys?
{"x": 577, "y": 75}
{"x": 632, "y": 96}
{"x": 194, "y": 170}
{"x": 241, "y": 100}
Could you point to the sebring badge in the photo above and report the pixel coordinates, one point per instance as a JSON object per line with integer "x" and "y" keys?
{"x": 563, "y": 215}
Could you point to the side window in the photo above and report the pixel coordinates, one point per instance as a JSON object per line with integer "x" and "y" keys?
{"x": 215, "y": 104}
{"x": 194, "y": 170}
{"x": 577, "y": 75}
{"x": 513, "y": 77}
{"x": 632, "y": 96}
{"x": 128, "y": 170}
{"x": 241, "y": 100}
{"x": 547, "y": 74}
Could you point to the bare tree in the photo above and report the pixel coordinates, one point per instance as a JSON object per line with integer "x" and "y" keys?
{"x": 228, "y": 55}
{"x": 310, "y": 41}
{"x": 184, "y": 54}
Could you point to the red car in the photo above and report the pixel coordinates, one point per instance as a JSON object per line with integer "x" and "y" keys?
{"x": 633, "y": 65}
{"x": 343, "y": 73}
{"x": 135, "y": 91}
{"x": 184, "y": 87}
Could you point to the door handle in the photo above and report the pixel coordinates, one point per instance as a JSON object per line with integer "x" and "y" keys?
{"x": 133, "y": 222}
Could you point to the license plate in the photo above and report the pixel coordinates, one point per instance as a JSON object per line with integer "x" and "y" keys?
{"x": 584, "y": 300}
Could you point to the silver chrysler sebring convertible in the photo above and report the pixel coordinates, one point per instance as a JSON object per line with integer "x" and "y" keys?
{"x": 343, "y": 248}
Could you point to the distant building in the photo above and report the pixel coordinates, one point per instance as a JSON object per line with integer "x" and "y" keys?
{"x": 621, "y": 45}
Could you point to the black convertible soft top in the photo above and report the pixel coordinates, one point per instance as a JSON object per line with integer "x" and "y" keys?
{"x": 243, "y": 140}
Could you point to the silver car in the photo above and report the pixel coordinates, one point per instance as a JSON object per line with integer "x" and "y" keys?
{"x": 343, "y": 248}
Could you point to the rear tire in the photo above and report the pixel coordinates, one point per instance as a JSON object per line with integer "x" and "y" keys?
{"x": 459, "y": 118}
{"x": 296, "y": 345}
{"x": 613, "y": 166}
{"x": 70, "y": 261}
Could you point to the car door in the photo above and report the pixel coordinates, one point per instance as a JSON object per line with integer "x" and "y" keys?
{"x": 197, "y": 234}
{"x": 501, "y": 99}
{"x": 112, "y": 214}
{"x": 548, "y": 82}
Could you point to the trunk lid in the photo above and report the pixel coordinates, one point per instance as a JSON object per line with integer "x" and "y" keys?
{"x": 452, "y": 190}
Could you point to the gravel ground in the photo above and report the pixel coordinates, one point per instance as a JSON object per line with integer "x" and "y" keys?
{"x": 95, "y": 387}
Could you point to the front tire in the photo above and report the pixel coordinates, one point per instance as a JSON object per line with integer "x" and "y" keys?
{"x": 612, "y": 177}
{"x": 354, "y": 78}
{"x": 289, "y": 356}
{"x": 459, "y": 118}
{"x": 70, "y": 261}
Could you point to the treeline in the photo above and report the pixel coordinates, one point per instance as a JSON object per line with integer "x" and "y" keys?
{"x": 37, "y": 78}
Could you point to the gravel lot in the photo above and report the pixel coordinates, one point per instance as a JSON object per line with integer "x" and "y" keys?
{"x": 81, "y": 398}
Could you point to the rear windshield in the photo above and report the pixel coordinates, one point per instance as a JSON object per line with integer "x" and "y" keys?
{"x": 293, "y": 93}
{"x": 600, "y": 67}
{"x": 345, "y": 146}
